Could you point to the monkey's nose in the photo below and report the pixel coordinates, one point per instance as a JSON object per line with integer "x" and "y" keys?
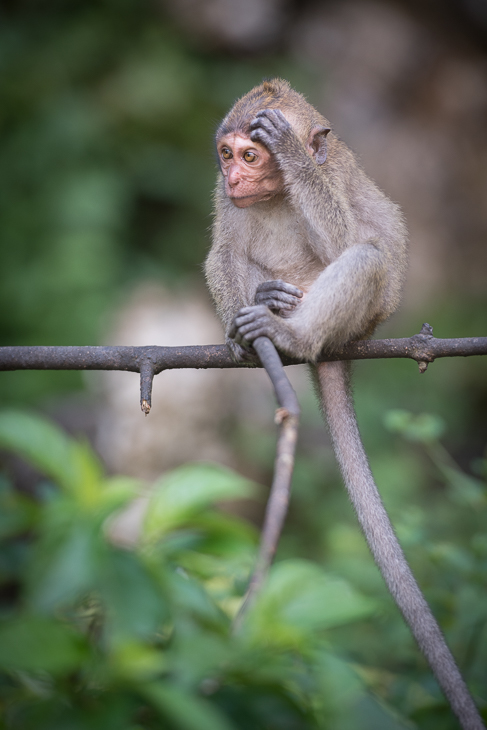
{"x": 233, "y": 177}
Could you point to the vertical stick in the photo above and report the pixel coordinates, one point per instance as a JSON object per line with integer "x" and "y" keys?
{"x": 287, "y": 416}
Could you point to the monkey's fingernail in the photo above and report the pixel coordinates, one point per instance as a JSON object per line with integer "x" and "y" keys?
{"x": 423, "y": 366}
{"x": 145, "y": 406}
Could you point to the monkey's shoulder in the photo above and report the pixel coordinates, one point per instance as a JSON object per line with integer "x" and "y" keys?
{"x": 345, "y": 170}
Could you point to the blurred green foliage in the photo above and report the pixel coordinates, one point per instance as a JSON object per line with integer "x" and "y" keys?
{"x": 95, "y": 635}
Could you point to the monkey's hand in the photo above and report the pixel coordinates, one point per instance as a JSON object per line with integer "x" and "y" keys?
{"x": 253, "y": 322}
{"x": 279, "y": 296}
{"x": 271, "y": 128}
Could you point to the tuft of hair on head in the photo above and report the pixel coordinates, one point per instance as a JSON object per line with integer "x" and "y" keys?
{"x": 274, "y": 86}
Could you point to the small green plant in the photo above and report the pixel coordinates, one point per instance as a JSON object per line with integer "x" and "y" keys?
{"x": 96, "y": 635}
{"x": 426, "y": 429}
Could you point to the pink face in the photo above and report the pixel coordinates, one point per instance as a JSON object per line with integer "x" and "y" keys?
{"x": 250, "y": 172}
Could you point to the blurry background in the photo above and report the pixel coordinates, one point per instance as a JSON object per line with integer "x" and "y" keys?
{"x": 107, "y": 114}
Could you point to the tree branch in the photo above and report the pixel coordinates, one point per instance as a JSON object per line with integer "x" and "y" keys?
{"x": 149, "y": 361}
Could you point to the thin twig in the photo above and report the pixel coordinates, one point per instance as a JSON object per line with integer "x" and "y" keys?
{"x": 287, "y": 416}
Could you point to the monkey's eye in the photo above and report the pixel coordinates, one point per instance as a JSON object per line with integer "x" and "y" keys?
{"x": 249, "y": 156}
{"x": 226, "y": 154}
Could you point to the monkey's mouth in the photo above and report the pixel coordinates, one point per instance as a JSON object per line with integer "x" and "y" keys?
{"x": 244, "y": 201}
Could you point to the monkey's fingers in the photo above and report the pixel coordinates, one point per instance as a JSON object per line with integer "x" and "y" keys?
{"x": 243, "y": 334}
{"x": 263, "y": 123}
{"x": 252, "y": 322}
{"x": 247, "y": 315}
{"x": 275, "y": 116}
{"x": 265, "y": 138}
{"x": 233, "y": 331}
{"x": 275, "y": 303}
{"x": 278, "y": 295}
{"x": 273, "y": 300}
{"x": 252, "y": 331}
{"x": 276, "y": 298}
{"x": 269, "y": 127}
{"x": 280, "y": 285}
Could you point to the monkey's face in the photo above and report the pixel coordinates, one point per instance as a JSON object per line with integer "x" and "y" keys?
{"x": 249, "y": 170}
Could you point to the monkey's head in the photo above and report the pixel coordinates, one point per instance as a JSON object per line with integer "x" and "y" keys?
{"x": 246, "y": 153}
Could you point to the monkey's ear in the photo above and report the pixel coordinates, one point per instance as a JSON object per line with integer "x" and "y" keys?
{"x": 317, "y": 145}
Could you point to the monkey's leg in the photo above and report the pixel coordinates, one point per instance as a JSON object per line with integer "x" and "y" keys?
{"x": 288, "y": 418}
{"x": 383, "y": 543}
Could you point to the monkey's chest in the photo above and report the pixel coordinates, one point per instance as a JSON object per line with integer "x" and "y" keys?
{"x": 281, "y": 246}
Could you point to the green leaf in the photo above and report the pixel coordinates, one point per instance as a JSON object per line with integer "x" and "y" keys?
{"x": 299, "y": 599}
{"x": 351, "y": 704}
{"x": 64, "y": 566}
{"x": 197, "y": 653}
{"x": 191, "y": 600}
{"x": 37, "y": 643}
{"x": 41, "y": 443}
{"x": 89, "y": 475}
{"x": 226, "y": 535}
{"x": 69, "y": 464}
{"x": 117, "y": 491}
{"x": 185, "y": 710}
{"x": 465, "y": 490}
{"x": 135, "y": 604}
{"x": 134, "y": 660}
{"x": 16, "y": 512}
{"x": 424, "y": 427}
{"x": 186, "y": 491}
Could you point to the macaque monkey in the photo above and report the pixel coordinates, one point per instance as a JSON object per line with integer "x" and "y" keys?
{"x": 308, "y": 252}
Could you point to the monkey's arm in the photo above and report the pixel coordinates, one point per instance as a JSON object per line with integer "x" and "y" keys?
{"x": 230, "y": 282}
{"x": 343, "y": 303}
{"x": 311, "y": 184}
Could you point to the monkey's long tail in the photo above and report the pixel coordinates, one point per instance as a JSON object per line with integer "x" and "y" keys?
{"x": 334, "y": 379}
